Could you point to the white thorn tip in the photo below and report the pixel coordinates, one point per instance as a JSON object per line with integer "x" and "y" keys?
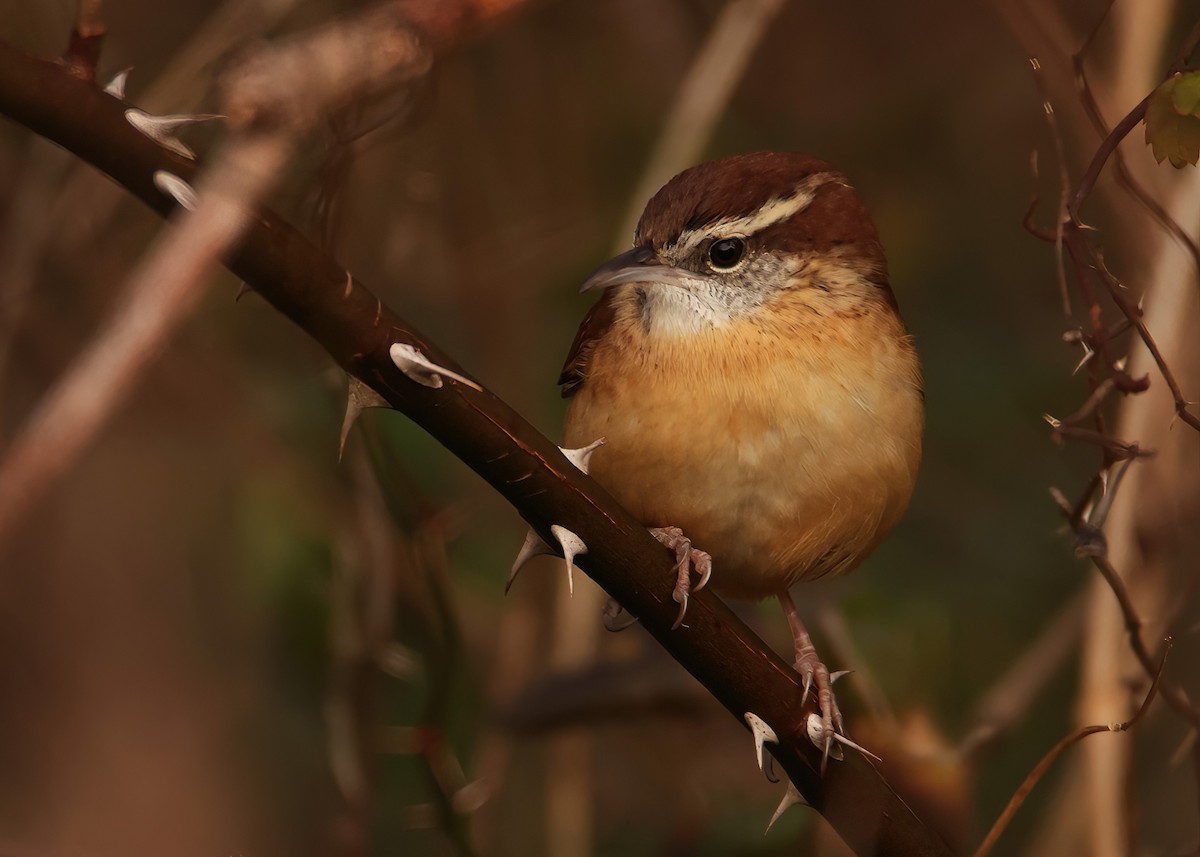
{"x": 419, "y": 368}
{"x": 791, "y": 797}
{"x": 533, "y": 546}
{"x": 572, "y": 546}
{"x": 580, "y": 457}
{"x": 842, "y": 739}
{"x": 161, "y": 129}
{"x": 176, "y": 188}
{"x": 116, "y": 86}
{"x": 1088, "y": 354}
{"x": 763, "y": 734}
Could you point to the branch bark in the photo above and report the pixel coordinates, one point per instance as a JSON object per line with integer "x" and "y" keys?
{"x": 357, "y": 330}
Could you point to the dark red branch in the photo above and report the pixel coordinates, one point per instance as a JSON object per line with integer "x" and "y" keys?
{"x": 356, "y": 329}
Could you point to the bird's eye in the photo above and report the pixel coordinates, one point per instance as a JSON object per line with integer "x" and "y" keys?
{"x": 726, "y": 253}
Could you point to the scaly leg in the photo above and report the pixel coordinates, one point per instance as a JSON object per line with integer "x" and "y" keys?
{"x": 812, "y": 671}
{"x": 687, "y": 558}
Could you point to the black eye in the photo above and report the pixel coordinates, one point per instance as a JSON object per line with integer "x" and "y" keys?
{"x": 726, "y": 253}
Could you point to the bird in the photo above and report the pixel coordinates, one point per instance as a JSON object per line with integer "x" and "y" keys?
{"x": 760, "y": 399}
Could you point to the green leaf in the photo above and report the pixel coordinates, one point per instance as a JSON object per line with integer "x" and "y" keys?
{"x": 1185, "y": 93}
{"x": 1171, "y": 135}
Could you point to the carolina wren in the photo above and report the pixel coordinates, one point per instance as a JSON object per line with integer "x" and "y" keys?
{"x": 755, "y": 384}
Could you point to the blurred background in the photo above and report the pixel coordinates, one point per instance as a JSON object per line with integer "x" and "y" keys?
{"x": 216, "y": 639}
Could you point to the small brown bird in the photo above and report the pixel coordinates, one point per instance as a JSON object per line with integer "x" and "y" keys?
{"x": 758, "y": 392}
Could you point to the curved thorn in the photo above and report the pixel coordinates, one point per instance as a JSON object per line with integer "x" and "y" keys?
{"x": 533, "y": 546}
{"x": 580, "y": 457}
{"x": 842, "y": 739}
{"x": 162, "y": 129}
{"x": 762, "y": 733}
{"x": 419, "y": 368}
{"x": 791, "y": 797}
{"x": 176, "y": 188}
{"x": 572, "y": 546}
{"x": 116, "y": 86}
{"x": 359, "y": 397}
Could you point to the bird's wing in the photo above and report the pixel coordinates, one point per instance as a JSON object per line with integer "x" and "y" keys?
{"x": 598, "y": 320}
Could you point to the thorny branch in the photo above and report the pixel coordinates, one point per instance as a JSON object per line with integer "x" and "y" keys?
{"x": 1087, "y": 265}
{"x": 358, "y": 331}
{"x": 1074, "y": 241}
{"x": 1086, "y": 256}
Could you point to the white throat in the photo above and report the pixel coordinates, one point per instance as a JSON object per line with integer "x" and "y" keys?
{"x": 671, "y": 311}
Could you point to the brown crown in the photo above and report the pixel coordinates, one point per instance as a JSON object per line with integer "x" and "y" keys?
{"x": 741, "y": 184}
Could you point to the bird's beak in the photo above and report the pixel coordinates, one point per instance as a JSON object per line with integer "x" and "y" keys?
{"x": 639, "y": 265}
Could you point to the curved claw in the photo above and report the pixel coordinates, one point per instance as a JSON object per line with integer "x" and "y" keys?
{"x": 687, "y": 560}
{"x": 704, "y": 566}
{"x": 808, "y": 684}
{"x": 680, "y": 597}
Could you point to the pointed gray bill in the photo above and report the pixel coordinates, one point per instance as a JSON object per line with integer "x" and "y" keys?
{"x": 639, "y": 265}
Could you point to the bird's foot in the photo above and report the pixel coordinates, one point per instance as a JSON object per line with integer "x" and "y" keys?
{"x": 687, "y": 559}
{"x": 815, "y": 677}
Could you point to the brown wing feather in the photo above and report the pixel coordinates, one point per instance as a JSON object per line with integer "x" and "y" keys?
{"x": 597, "y": 320}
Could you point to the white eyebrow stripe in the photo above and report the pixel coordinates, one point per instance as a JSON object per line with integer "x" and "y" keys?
{"x": 774, "y": 210}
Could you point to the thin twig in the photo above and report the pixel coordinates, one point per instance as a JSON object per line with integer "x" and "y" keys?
{"x": 1172, "y": 693}
{"x": 1135, "y": 318}
{"x": 1107, "y": 146}
{"x": 1117, "y": 449}
{"x": 1124, "y": 177}
{"x": 1093, "y": 402}
{"x": 1040, "y": 769}
{"x": 1064, "y": 179}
